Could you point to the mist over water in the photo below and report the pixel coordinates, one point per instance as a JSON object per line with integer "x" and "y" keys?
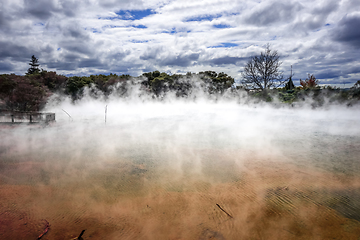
{"x": 157, "y": 169}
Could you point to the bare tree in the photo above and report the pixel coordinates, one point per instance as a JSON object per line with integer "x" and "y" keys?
{"x": 263, "y": 72}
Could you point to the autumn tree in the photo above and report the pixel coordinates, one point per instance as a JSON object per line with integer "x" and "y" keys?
{"x": 263, "y": 72}
{"x": 54, "y": 82}
{"x": 22, "y": 93}
{"x": 309, "y": 82}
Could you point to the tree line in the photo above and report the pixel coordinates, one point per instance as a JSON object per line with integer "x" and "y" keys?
{"x": 262, "y": 81}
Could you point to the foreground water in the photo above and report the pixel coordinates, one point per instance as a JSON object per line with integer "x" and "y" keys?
{"x": 183, "y": 171}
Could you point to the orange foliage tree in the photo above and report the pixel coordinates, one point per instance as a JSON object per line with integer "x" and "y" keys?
{"x": 310, "y": 82}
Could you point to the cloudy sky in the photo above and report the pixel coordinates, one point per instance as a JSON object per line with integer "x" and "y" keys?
{"x": 83, "y": 37}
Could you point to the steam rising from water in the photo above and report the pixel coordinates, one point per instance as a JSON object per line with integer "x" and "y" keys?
{"x": 156, "y": 168}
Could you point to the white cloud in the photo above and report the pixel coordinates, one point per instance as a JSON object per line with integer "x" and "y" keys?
{"x": 83, "y": 37}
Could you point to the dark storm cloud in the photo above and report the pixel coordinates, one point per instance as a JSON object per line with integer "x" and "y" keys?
{"x": 41, "y": 9}
{"x": 117, "y": 55}
{"x": 71, "y": 57}
{"x": 336, "y": 81}
{"x": 317, "y": 19}
{"x": 226, "y": 60}
{"x": 77, "y": 47}
{"x": 3, "y": 21}
{"x": 121, "y": 4}
{"x": 60, "y": 65}
{"x": 78, "y": 56}
{"x": 181, "y": 60}
{"x": 14, "y": 51}
{"x": 93, "y": 63}
{"x": 327, "y": 8}
{"x": 75, "y": 36}
{"x": 6, "y": 66}
{"x": 7, "y": 19}
{"x": 329, "y": 73}
{"x": 73, "y": 61}
{"x": 348, "y": 70}
{"x": 69, "y": 7}
{"x": 273, "y": 13}
{"x": 328, "y": 63}
{"x": 151, "y": 53}
{"x": 355, "y": 69}
{"x": 76, "y": 32}
{"x": 348, "y": 30}
{"x": 45, "y": 9}
{"x": 157, "y": 54}
{"x": 327, "y": 54}
{"x": 68, "y": 62}
{"x": 126, "y": 67}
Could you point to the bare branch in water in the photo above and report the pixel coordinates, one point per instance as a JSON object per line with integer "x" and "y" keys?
{"x": 224, "y": 211}
{"x": 80, "y": 236}
{"x": 47, "y": 227}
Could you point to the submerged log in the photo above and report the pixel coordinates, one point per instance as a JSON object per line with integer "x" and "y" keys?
{"x": 47, "y": 227}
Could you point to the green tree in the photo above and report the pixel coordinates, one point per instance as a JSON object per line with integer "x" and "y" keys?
{"x": 160, "y": 83}
{"x": 53, "y": 81}
{"x": 34, "y": 63}
{"x": 217, "y": 82}
{"x": 289, "y": 85}
{"x": 75, "y": 86}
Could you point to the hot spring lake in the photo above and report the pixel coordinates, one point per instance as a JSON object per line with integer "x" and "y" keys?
{"x": 183, "y": 171}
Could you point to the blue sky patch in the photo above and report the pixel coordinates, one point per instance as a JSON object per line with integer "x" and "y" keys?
{"x": 139, "y": 26}
{"x": 134, "y": 14}
{"x": 139, "y": 41}
{"x": 225, "y": 45}
{"x": 108, "y": 26}
{"x": 202, "y": 18}
{"x": 174, "y": 31}
{"x": 93, "y": 30}
{"x": 221, "y": 26}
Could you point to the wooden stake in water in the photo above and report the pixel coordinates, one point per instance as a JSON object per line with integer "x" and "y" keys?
{"x": 105, "y": 113}
{"x": 67, "y": 114}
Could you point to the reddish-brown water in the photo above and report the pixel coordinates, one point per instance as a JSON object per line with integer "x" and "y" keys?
{"x": 261, "y": 199}
{"x": 182, "y": 178}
